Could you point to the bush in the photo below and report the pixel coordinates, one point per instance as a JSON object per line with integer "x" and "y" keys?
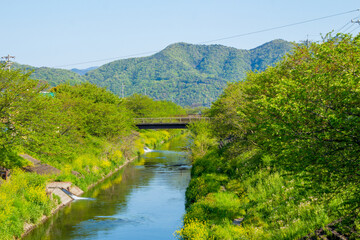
{"x": 22, "y": 199}
{"x": 193, "y": 229}
{"x": 200, "y": 186}
{"x": 216, "y": 207}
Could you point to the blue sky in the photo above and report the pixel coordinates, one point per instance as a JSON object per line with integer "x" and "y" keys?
{"x": 62, "y": 33}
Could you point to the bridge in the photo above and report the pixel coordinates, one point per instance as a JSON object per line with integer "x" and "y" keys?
{"x": 167, "y": 122}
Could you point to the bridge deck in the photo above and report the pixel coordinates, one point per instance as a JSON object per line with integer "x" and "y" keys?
{"x": 167, "y": 122}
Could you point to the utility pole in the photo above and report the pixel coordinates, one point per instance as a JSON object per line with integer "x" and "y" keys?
{"x": 8, "y": 62}
{"x": 307, "y": 40}
{"x": 122, "y": 90}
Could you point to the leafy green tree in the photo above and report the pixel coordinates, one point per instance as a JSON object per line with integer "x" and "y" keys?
{"x": 305, "y": 111}
{"x": 144, "y": 106}
{"x": 19, "y": 99}
{"x": 94, "y": 110}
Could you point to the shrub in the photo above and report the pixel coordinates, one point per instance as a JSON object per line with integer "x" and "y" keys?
{"x": 200, "y": 186}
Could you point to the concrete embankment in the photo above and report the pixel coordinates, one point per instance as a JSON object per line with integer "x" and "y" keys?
{"x": 65, "y": 191}
{"x": 56, "y": 188}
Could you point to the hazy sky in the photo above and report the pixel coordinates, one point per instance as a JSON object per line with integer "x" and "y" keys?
{"x": 62, "y": 33}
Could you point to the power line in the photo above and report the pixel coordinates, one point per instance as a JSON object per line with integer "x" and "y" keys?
{"x": 106, "y": 59}
{"x": 355, "y": 29}
{"x": 219, "y": 39}
{"x": 279, "y": 27}
{"x": 337, "y": 31}
{"x": 349, "y": 27}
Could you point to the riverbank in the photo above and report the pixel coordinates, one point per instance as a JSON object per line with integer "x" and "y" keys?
{"x": 80, "y": 131}
{"x": 24, "y": 201}
{"x": 29, "y": 227}
{"x": 138, "y": 140}
{"x": 244, "y": 196}
{"x": 144, "y": 200}
{"x": 288, "y": 163}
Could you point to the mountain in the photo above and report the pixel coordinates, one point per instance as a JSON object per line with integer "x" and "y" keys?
{"x": 185, "y": 73}
{"x": 54, "y": 76}
{"x": 268, "y": 54}
{"x": 83, "y": 71}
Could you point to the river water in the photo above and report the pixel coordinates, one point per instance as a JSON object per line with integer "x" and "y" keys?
{"x": 145, "y": 200}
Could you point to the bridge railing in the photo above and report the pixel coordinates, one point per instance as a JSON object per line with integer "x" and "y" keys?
{"x": 169, "y": 120}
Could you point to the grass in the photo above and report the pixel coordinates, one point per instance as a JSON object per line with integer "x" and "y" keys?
{"x": 273, "y": 204}
{"x": 23, "y": 197}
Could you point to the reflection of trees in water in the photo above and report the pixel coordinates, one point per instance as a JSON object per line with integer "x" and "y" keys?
{"x": 179, "y": 179}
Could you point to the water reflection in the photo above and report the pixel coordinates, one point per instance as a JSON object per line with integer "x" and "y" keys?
{"x": 145, "y": 201}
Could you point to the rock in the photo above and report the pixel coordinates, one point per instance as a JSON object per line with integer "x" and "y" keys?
{"x": 238, "y": 221}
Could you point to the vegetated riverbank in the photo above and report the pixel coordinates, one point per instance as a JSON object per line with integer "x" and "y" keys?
{"x": 280, "y": 157}
{"x": 83, "y": 132}
{"x": 145, "y": 200}
{"x": 138, "y": 141}
{"x": 24, "y": 196}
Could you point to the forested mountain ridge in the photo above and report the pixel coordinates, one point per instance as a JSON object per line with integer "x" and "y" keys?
{"x": 185, "y": 73}
{"x": 82, "y": 71}
{"x": 54, "y": 76}
{"x": 268, "y": 54}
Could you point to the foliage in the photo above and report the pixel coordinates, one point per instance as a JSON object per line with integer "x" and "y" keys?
{"x": 19, "y": 99}
{"x": 144, "y": 106}
{"x": 53, "y": 76}
{"x": 100, "y": 112}
{"x": 203, "y": 185}
{"x": 192, "y": 75}
{"x": 289, "y": 145}
{"x": 22, "y": 199}
{"x": 83, "y": 130}
{"x": 304, "y": 111}
{"x": 11, "y": 159}
{"x": 197, "y": 110}
{"x": 189, "y": 75}
{"x": 268, "y": 54}
{"x": 82, "y": 71}
{"x": 202, "y": 140}
{"x": 216, "y": 207}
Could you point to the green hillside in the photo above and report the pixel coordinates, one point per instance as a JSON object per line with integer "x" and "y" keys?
{"x": 184, "y": 73}
{"x": 54, "y": 76}
{"x": 83, "y": 71}
{"x": 187, "y": 74}
{"x": 268, "y": 54}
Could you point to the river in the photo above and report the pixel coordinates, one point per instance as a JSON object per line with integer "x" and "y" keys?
{"x": 145, "y": 200}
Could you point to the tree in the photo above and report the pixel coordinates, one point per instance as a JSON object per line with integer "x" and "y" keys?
{"x": 305, "y": 111}
{"x": 19, "y": 100}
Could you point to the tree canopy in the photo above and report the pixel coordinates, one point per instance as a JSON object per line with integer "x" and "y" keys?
{"x": 285, "y": 163}
{"x": 305, "y": 111}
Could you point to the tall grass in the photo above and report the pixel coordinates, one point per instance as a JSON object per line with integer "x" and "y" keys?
{"x": 272, "y": 204}
{"x": 23, "y": 199}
